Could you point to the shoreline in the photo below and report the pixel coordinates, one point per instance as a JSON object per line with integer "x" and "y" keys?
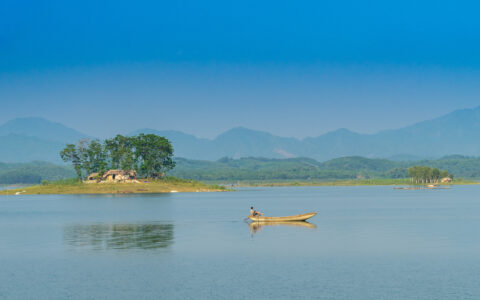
{"x": 190, "y": 186}
{"x": 363, "y": 182}
{"x": 150, "y": 187}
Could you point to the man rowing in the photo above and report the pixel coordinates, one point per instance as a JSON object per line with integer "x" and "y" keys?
{"x": 254, "y": 212}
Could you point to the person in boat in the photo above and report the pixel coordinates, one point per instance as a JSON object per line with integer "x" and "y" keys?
{"x": 254, "y": 212}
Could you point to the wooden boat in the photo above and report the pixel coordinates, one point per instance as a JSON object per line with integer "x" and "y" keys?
{"x": 301, "y": 217}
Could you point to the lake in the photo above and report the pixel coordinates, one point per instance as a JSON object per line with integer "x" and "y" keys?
{"x": 365, "y": 243}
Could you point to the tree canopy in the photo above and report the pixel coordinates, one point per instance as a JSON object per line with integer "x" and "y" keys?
{"x": 419, "y": 174}
{"x": 149, "y": 154}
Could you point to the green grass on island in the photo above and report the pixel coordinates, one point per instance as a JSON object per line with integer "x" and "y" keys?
{"x": 143, "y": 186}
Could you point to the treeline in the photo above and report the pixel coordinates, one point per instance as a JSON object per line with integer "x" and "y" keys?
{"x": 148, "y": 154}
{"x": 33, "y": 172}
{"x": 227, "y": 169}
{"x": 424, "y": 174}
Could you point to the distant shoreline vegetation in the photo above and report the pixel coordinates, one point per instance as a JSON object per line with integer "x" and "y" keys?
{"x": 33, "y": 172}
{"x": 353, "y": 182}
{"x": 306, "y": 169}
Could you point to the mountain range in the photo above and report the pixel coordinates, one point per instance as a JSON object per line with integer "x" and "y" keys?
{"x": 32, "y": 139}
{"x": 454, "y": 133}
{"x": 27, "y": 139}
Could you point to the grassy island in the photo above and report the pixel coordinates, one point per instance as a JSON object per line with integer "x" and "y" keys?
{"x": 146, "y": 186}
{"x": 122, "y": 165}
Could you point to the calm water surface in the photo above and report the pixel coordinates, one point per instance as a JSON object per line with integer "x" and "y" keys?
{"x": 365, "y": 243}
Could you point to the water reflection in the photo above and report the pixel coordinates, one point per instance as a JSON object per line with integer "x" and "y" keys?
{"x": 119, "y": 236}
{"x": 257, "y": 226}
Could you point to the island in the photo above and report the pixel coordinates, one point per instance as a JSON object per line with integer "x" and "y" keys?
{"x": 121, "y": 165}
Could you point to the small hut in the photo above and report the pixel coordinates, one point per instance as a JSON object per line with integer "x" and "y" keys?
{"x": 119, "y": 175}
{"x": 446, "y": 180}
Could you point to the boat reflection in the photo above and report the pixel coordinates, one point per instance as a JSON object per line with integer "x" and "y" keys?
{"x": 257, "y": 226}
{"x": 119, "y": 236}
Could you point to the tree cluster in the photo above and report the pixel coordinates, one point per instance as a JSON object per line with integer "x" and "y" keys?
{"x": 423, "y": 174}
{"x": 149, "y": 154}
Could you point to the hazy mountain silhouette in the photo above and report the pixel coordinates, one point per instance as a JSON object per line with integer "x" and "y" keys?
{"x": 27, "y": 139}
{"x": 42, "y": 129}
{"x": 454, "y": 133}
{"x": 235, "y": 143}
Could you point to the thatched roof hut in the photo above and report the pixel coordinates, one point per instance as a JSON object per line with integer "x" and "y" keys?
{"x": 119, "y": 175}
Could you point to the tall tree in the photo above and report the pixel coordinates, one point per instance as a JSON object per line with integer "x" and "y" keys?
{"x": 443, "y": 173}
{"x": 96, "y": 157}
{"x": 70, "y": 154}
{"x": 435, "y": 175}
{"x": 154, "y": 153}
{"x": 121, "y": 152}
{"x": 82, "y": 150}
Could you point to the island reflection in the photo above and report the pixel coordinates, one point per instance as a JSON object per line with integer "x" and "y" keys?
{"x": 257, "y": 226}
{"x": 119, "y": 236}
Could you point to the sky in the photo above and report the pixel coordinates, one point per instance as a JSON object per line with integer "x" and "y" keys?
{"x": 287, "y": 67}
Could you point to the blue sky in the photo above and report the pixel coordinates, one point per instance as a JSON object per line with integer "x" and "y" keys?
{"x": 288, "y": 67}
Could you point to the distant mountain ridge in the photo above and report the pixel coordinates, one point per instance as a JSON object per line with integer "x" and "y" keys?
{"x": 454, "y": 133}
{"x": 236, "y": 143}
{"x": 31, "y": 139}
{"x": 28, "y": 139}
{"x": 42, "y": 129}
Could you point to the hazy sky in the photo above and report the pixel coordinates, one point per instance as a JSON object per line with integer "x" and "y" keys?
{"x": 288, "y": 67}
